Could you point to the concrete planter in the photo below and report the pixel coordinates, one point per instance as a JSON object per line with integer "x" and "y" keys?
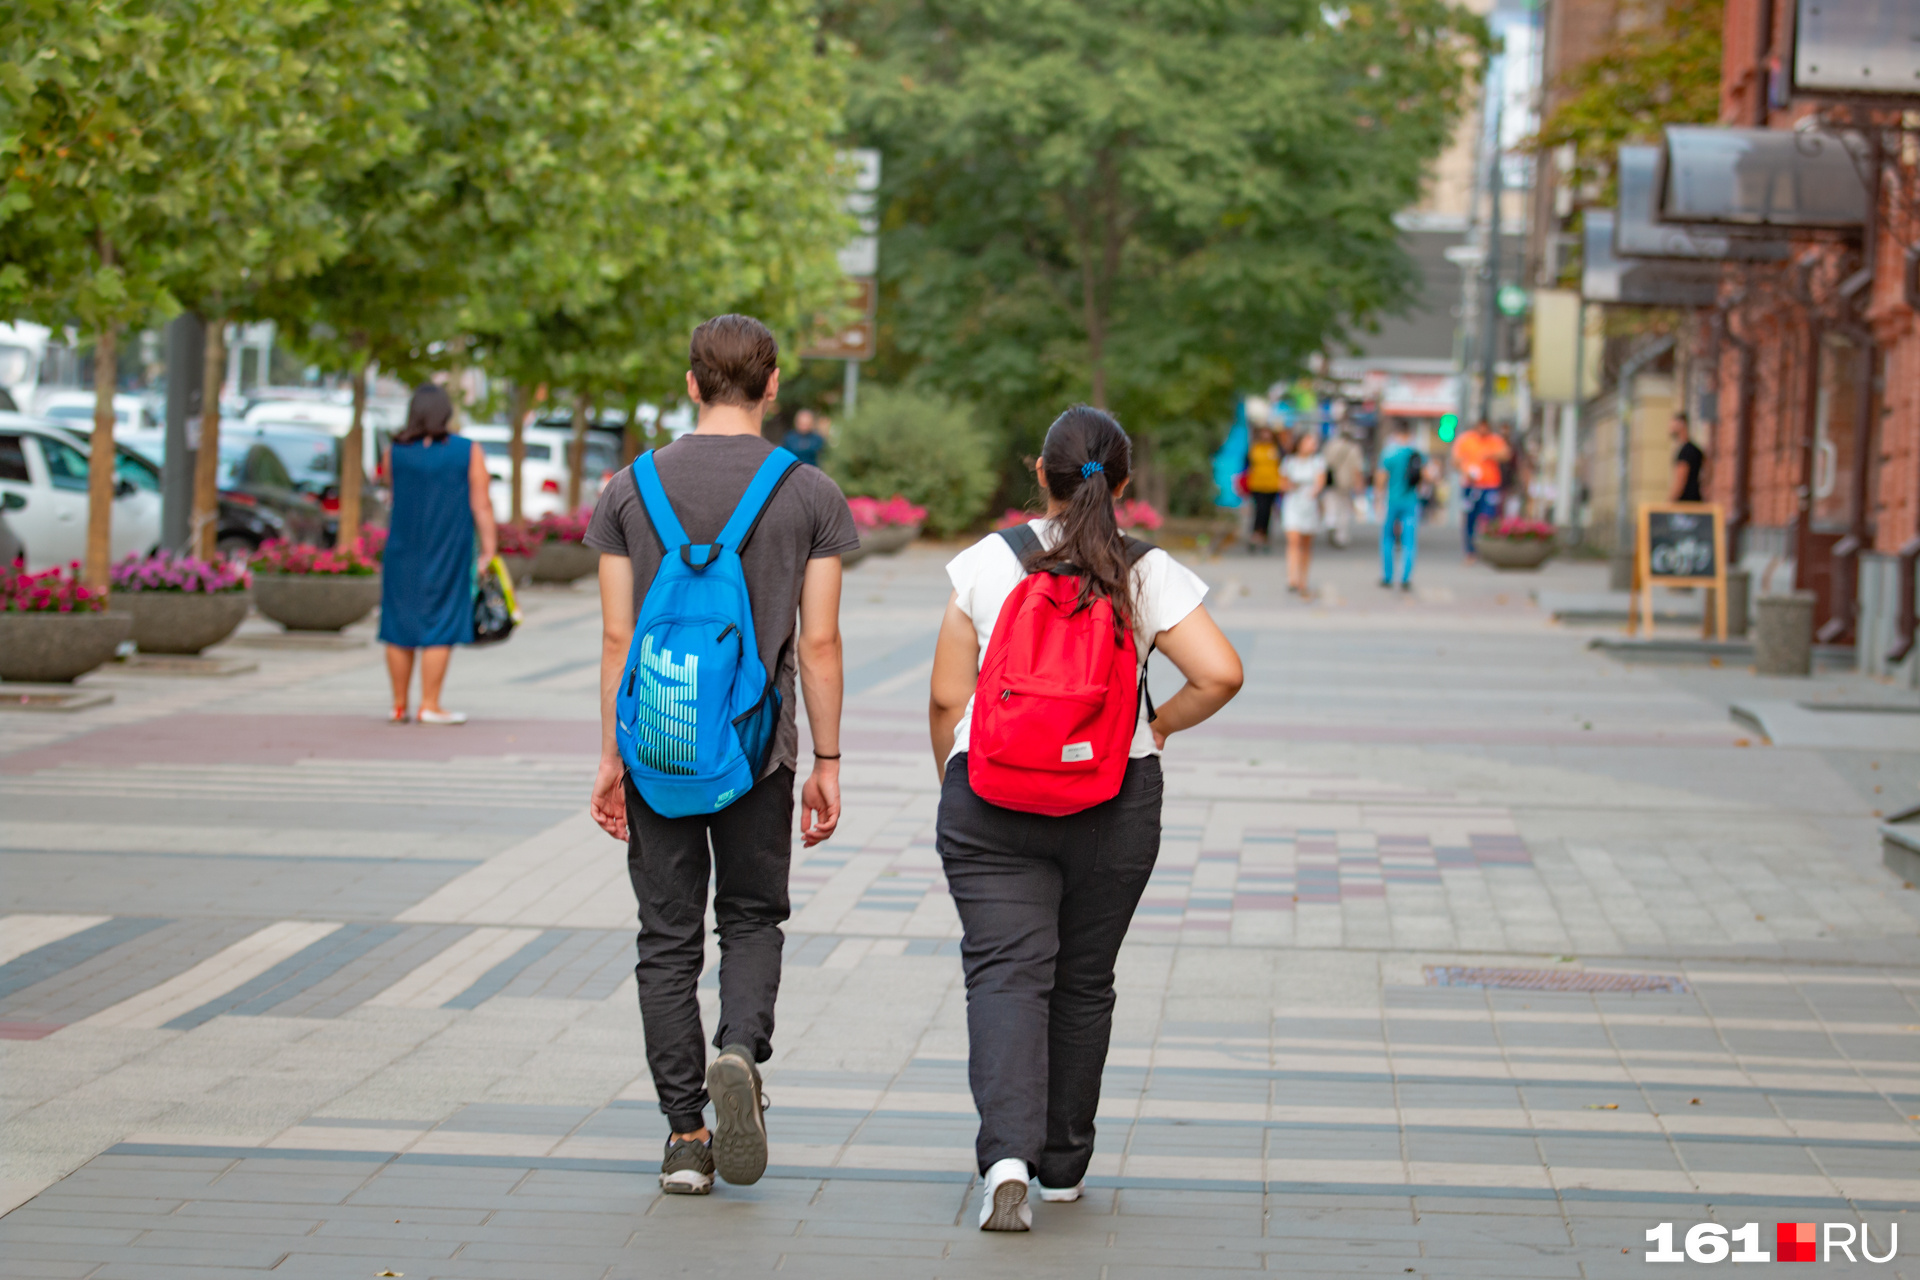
{"x": 1783, "y": 634}
{"x": 181, "y": 621}
{"x": 888, "y": 538}
{"x": 563, "y": 562}
{"x": 1509, "y": 554}
{"x": 316, "y": 601}
{"x": 520, "y": 568}
{"x": 57, "y": 648}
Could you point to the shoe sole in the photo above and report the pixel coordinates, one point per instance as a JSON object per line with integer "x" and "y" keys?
{"x": 1008, "y": 1197}
{"x": 1061, "y": 1195}
{"x": 685, "y": 1188}
{"x": 739, "y": 1131}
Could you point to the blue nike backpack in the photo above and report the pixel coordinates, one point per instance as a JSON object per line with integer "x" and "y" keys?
{"x": 696, "y": 708}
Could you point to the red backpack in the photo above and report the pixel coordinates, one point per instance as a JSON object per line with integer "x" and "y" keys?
{"x": 1058, "y": 697}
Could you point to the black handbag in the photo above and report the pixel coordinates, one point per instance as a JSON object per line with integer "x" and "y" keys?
{"x": 494, "y": 612}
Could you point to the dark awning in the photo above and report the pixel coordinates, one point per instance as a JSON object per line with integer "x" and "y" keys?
{"x": 1638, "y": 234}
{"x": 1742, "y": 180}
{"x": 1641, "y": 282}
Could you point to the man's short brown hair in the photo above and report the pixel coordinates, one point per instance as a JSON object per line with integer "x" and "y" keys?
{"x": 732, "y": 358}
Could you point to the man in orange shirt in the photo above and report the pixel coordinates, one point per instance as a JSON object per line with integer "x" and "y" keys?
{"x": 1479, "y": 455}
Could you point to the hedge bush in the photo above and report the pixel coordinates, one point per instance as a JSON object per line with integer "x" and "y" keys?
{"x": 923, "y": 447}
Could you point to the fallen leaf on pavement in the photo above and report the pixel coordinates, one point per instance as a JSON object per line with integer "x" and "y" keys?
{"x": 1603, "y": 1106}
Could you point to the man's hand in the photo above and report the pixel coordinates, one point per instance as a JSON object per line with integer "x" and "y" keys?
{"x": 609, "y": 802}
{"x": 819, "y": 803}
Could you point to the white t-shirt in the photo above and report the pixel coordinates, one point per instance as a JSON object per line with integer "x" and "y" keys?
{"x": 986, "y": 573}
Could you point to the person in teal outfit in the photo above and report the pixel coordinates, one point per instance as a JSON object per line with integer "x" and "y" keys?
{"x": 441, "y": 507}
{"x": 1397, "y": 493}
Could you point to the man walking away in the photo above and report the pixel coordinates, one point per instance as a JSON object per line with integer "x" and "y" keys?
{"x": 805, "y": 440}
{"x": 1479, "y": 456}
{"x": 1347, "y": 465}
{"x": 1397, "y": 494}
{"x": 1689, "y": 463}
{"x": 790, "y": 561}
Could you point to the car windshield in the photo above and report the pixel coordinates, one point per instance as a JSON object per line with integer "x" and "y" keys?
{"x": 72, "y": 412}
{"x": 601, "y": 457}
{"x": 503, "y": 449}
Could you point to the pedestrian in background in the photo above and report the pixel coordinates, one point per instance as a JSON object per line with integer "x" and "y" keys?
{"x": 1045, "y": 901}
{"x": 790, "y": 561}
{"x": 440, "y": 510}
{"x": 1397, "y": 495}
{"x": 1264, "y": 485}
{"x": 1347, "y": 472}
{"x": 805, "y": 440}
{"x": 1689, "y": 463}
{"x": 1479, "y": 456}
{"x": 1305, "y": 472}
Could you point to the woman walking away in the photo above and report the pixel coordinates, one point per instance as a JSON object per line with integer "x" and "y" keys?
{"x": 1264, "y": 484}
{"x": 1306, "y": 474}
{"x": 1049, "y": 820}
{"x": 440, "y": 503}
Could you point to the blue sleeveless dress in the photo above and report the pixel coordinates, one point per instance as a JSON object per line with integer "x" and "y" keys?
{"x": 426, "y": 584}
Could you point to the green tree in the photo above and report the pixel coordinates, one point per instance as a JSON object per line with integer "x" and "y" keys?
{"x": 1145, "y": 203}
{"x": 92, "y": 92}
{"x": 1667, "y": 72}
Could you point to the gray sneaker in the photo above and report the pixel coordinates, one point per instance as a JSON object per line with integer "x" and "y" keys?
{"x": 739, "y": 1128}
{"x": 688, "y": 1168}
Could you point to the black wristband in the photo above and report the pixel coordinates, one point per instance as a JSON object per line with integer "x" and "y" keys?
{"x": 818, "y": 756}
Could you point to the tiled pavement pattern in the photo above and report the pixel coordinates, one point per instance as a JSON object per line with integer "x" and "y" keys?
{"x": 283, "y": 990}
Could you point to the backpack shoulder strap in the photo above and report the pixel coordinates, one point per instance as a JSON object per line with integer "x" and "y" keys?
{"x": 666, "y": 525}
{"x": 1025, "y": 543}
{"x": 753, "y": 503}
{"x": 1136, "y": 549}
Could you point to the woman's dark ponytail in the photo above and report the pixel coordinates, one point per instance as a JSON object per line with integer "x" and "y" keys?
{"x": 1087, "y": 457}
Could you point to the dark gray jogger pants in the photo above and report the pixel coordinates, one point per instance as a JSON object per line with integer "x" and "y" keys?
{"x": 1044, "y": 904}
{"x": 746, "y": 847}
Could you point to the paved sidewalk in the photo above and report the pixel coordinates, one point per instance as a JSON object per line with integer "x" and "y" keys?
{"x": 1470, "y": 953}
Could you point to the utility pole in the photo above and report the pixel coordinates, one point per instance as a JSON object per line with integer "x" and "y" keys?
{"x": 186, "y": 362}
{"x": 1490, "y": 266}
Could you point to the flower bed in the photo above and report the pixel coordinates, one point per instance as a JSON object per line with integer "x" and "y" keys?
{"x": 885, "y": 525}
{"x": 53, "y": 628}
{"x": 559, "y": 528}
{"x": 563, "y": 554}
{"x": 318, "y": 589}
{"x": 1515, "y": 542}
{"x": 180, "y": 604}
{"x": 517, "y": 545}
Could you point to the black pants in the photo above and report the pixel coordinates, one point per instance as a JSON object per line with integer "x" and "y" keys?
{"x": 668, "y": 859}
{"x": 1044, "y": 904}
{"x": 1262, "y": 522}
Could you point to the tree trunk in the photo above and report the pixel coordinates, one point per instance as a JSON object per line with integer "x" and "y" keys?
{"x": 350, "y": 471}
{"x": 577, "y": 454}
{"x": 100, "y": 462}
{"x": 204, "y": 535}
{"x": 517, "y": 453}
{"x": 630, "y": 442}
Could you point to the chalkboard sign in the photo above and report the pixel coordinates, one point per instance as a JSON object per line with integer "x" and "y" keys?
{"x": 1681, "y": 544}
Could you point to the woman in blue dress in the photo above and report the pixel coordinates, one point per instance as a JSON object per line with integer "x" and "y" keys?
{"x": 441, "y": 507}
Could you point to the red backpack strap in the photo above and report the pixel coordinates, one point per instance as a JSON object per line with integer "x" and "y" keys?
{"x": 1025, "y": 544}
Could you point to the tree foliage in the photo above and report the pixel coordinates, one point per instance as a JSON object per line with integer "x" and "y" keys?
{"x": 1667, "y": 72}
{"x": 923, "y": 447}
{"x": 1145, "y": 203}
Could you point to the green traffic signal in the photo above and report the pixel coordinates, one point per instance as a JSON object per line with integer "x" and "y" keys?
{"x": 1449, "y": 426}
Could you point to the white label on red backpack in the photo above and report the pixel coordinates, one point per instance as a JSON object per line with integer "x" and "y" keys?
{"x": 1074, "y": 752}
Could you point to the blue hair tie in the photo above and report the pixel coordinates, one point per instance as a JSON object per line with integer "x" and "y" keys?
{"x": 1088, "y": 468}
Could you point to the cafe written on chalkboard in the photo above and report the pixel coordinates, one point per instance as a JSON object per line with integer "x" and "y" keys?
{"x": 1680, "y": 544}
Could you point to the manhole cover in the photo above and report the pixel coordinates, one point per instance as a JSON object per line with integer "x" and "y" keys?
{"x": 1551, "y": 979}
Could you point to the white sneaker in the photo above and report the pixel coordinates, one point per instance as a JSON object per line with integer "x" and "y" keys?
{"x": 1062, "y": 1195}
{"x": 443, "y": 717}
{"x": 1003, "y": 1204}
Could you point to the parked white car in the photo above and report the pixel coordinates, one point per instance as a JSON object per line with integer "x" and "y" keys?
{"x": 74, "y": 411}
{"x": 543, "y": 472}
{"x": 378, "y": 424}
{"x": 43, "y": 491}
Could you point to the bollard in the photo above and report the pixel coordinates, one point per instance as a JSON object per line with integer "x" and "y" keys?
{"x": 1783, "y": 635}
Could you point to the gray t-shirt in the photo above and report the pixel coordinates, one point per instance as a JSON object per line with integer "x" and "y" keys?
{"x": 704, "y": 476}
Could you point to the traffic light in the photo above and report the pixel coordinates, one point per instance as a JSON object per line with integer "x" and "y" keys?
{"x": 1449, "y": 427}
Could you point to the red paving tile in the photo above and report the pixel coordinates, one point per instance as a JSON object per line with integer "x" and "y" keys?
{"x": 281, "y": 740}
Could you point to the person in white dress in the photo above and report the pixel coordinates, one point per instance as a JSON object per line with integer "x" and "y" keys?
{"x": 1306, "y": 473}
